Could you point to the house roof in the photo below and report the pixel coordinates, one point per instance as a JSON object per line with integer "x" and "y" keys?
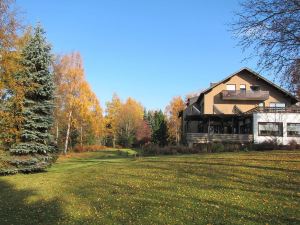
{"x": 255, "y": 74}
{"x": 194, "y": 99}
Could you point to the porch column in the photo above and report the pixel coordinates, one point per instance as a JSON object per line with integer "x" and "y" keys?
{"x": 208, "y": 132}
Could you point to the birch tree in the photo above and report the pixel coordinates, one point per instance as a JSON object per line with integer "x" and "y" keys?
{"x": 111, "y": 119}
{"x": 70, "y": 75}
{"x": 173, "y": 120}
{"x": 77, "y": 107}
{"x": 129, "y": 119}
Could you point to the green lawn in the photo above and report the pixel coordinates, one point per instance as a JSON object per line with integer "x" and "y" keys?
{"x": 109, "y": 188}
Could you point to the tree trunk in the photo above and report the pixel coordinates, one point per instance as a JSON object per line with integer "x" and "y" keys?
{"x": 81, "y": 136}
{"x": 114, "y": 141}
{"x": 177, "y": 137}
{"x": 68, "y": 132}
{"x": 57, "y": 132}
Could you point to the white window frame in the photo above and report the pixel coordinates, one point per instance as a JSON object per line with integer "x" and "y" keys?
{"x": 294, "y": 127}
{"x": 272, "y": 126}
{"x": 243, "y": 87}
{"x": 230, "y": 85}
{"x": 277, "y": 105}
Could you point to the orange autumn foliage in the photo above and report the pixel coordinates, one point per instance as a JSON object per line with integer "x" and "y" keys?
{"x": 89, "y": 148}
{"x": 11, "y": 92}
{"x": 78, "y": 108}
{"x": 173, "y": 121}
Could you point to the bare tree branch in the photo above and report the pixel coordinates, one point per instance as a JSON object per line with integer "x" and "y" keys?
{"x": 272, "y": 29}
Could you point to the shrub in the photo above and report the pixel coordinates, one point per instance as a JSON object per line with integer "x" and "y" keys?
{"x": 154, "y": 149}
{"x": 247, "y": 147}
{"x": 266, "y": 146}
{"x": 292, "y": 145}
{"x": 118, "y": 146}
{"x": 233, "y": 147}
{"x": 88, "y": 148}
{"x": 217, "y": 147}
{"x": 200, "y": 148}
{"x": 151, "y": 149}
{"x": 181, "y": 149}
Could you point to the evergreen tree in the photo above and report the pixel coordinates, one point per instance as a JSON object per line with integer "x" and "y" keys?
{"x": 159, "y": 129}
{"x": 35, "y": 144}
{"x": 145, "y": 117}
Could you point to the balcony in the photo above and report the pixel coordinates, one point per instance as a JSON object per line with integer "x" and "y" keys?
{"x": 291, "y": 109}
{"x": 193, "y": 138}
{"x": 245, "y": 95}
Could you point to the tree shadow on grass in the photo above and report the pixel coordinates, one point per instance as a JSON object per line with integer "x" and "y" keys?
{"x": 231, "y": 172}
{"x": 227, "y": 164}
{"x": 241, "y": 214}
{"x": 166, "y": 205}
{"x": 15, "y": 210}
{"x": 125, "y": 190}
{"x": 103, "y": 155}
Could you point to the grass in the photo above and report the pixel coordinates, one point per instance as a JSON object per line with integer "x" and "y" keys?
{"x": 108, "y": 187}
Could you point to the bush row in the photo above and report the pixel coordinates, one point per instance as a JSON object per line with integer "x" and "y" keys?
{"x": 88, "y": 148}
{"x": 152, "y": 149}
{"x": 273, "y": 145}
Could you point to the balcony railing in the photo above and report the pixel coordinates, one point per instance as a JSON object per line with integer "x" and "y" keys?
{"x": 207, "y": 138}
{"x": 245, "y": 95}
{"x": 291, "y": 109}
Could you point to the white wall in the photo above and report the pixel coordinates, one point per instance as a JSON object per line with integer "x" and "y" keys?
{"x": 275, "y": 117}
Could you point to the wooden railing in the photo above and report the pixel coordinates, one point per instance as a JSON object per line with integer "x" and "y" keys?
{"x": 245, "y": 95}
{"x": 292, "y": 109}
{"x": 207, "y": 138}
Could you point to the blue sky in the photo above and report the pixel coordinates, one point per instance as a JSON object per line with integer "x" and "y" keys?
{"x": 150, "y": 50}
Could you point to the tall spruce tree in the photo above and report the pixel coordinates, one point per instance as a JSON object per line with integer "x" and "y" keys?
{"x": 35, "y": 143}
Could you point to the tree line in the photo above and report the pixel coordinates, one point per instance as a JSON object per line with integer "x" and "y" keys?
{"x": 47, "y": 106}
{"x": 80, "y": 120}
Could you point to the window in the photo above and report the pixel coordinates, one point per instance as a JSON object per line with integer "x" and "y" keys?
{"x": 262, "y": 104}
{"x": 270, "y": 129}
{"x": 277, "y": 105}
{"x": 230, "y": 87}
{"x": 293, "y": 129}
{"x": 255, "y": 87}
{"x": 243, "y": 87}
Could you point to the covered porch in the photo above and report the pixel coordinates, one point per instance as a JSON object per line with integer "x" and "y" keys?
{"x": 218, "y": 128}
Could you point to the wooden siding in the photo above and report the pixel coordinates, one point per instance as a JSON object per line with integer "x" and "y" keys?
{"x": 214, "y": 97}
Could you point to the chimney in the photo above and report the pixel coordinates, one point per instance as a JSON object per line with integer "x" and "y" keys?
{"x": 188, "y": 102}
